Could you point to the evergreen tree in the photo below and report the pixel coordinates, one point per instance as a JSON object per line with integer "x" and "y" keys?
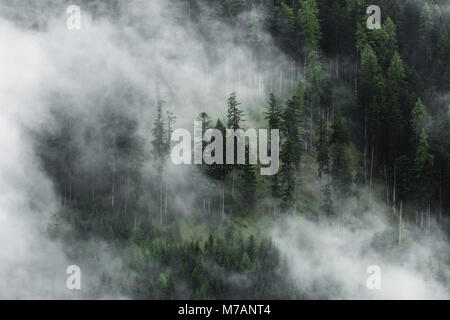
{"x": 274, "y": 117}
{"x": 340, "y": 167}
{"x": 322, "y": 149}
{"x": 418, "y": 116}
{"x": 235, "y": 115}
{"x": 425, "y": 29}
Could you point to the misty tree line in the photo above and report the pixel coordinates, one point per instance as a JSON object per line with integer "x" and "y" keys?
{"x": 368, "y": 106}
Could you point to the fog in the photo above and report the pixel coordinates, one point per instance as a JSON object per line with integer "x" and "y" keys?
{"x": 327, "y": 261}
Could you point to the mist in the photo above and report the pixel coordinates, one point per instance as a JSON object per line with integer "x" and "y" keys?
{"x": 114, "y": 63}
{"x": 328, "y": 261}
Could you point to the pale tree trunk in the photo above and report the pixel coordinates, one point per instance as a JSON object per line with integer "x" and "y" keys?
{"x": 295, "y": 191}
{"x": 126, "y": 196}
{"x": 371, "y": 173}
{"x": 394, "y": 191}
{"x": 365, "y": 146}
{"x": 400, "y": 224}
{"x": 232, "y": 182}
{"x": 223, "y": 201}
{"x": 417, "y": 219}
{"x": 281, "y": 79}
{"x": 113, "y": 186}
{"x": 440, "y": 201}
{"x": 166, "y": 198}
{"x": 311, "y": 125}
{"x": 70, "y": 190}
{"x": 421, "y": 219}
{"x": 275, "y": 209}
{"x": 387, "y": 187}
{"x": 161, "y": 202}
{"x": 356, "y": 72}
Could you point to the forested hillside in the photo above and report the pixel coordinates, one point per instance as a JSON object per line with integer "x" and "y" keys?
{"x": 364, "y": 120}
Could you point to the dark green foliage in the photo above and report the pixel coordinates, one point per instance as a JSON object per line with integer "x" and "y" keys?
{"x": 385, "y": 144}
{"x": 290, "y": 151}
{"x": 235, "y": 115}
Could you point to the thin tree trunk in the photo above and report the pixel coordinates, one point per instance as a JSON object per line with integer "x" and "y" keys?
{"x": 440, "y": 200}
{"x": 395, "y": 186}
{"x": 311, "y": 125}
{"x": 161, "y": 201}
{"x": 223, "y": 201}
{"x": 365, "y": 146}
{"x": 400, "y": 224}
{"x": 113, "y": 187}
{"x": 232, "y": 183}
{"x": 421, "y": 219}
{"x": 371, "y": 172}
{"x": 166, "y": 198}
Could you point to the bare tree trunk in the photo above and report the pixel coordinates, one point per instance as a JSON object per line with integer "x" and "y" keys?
{"x": 126, "y": 196}
{"x": 395, "y": 186}
{"x": 400, "y": 224}
{"x": 232, "y": 182}
{"x": 421, "y": 219}
{"x": 371, "y": 172}
{"x": 356, "y": 72}
{"x": 161, "y": 201}
{"x": 387, "y": 187}
{"x": 70, "y": 190}
{"x": 223, "y": 201}
{"x": 311, "y": 125}
{"x": 281, "y": 80}
{"x": 166, "y": 198}
{"x": 113, "y": 187}
{"x": 365, "y": 146}
{"x": 295, "y": 191}
{"x": 417, "y": 218}
{"x": 440, "y": 200}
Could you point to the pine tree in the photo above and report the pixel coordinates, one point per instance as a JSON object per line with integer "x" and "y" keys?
{"x": 235, "y": 115}
{"x": 219, "y": 171}
{"x": 424, "y": 159}
{"x": 313, "y": 89}
{"x": 248, "y": 179}
{"x": 340, "y": 168}
{"x": 273, "y": 113}
{"x": 425, "y": 28}
{"x": 322, "y": 149}
{"x": 308, "y": 17}
{"x": 418, "y": 116}
{"x": 341, "y": 175}
{"x": 290, "y": 152}
{"x": 159, "y": 133}
{"x": 160, "y": 149}
{"x": 274, "y": 117}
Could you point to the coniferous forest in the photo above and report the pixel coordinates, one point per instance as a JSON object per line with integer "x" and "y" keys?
{"x": 364, "y": 138}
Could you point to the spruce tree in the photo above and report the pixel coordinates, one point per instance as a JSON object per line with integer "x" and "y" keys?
{"x": 290, "y": 152}
{"x": 273, "y": 115}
